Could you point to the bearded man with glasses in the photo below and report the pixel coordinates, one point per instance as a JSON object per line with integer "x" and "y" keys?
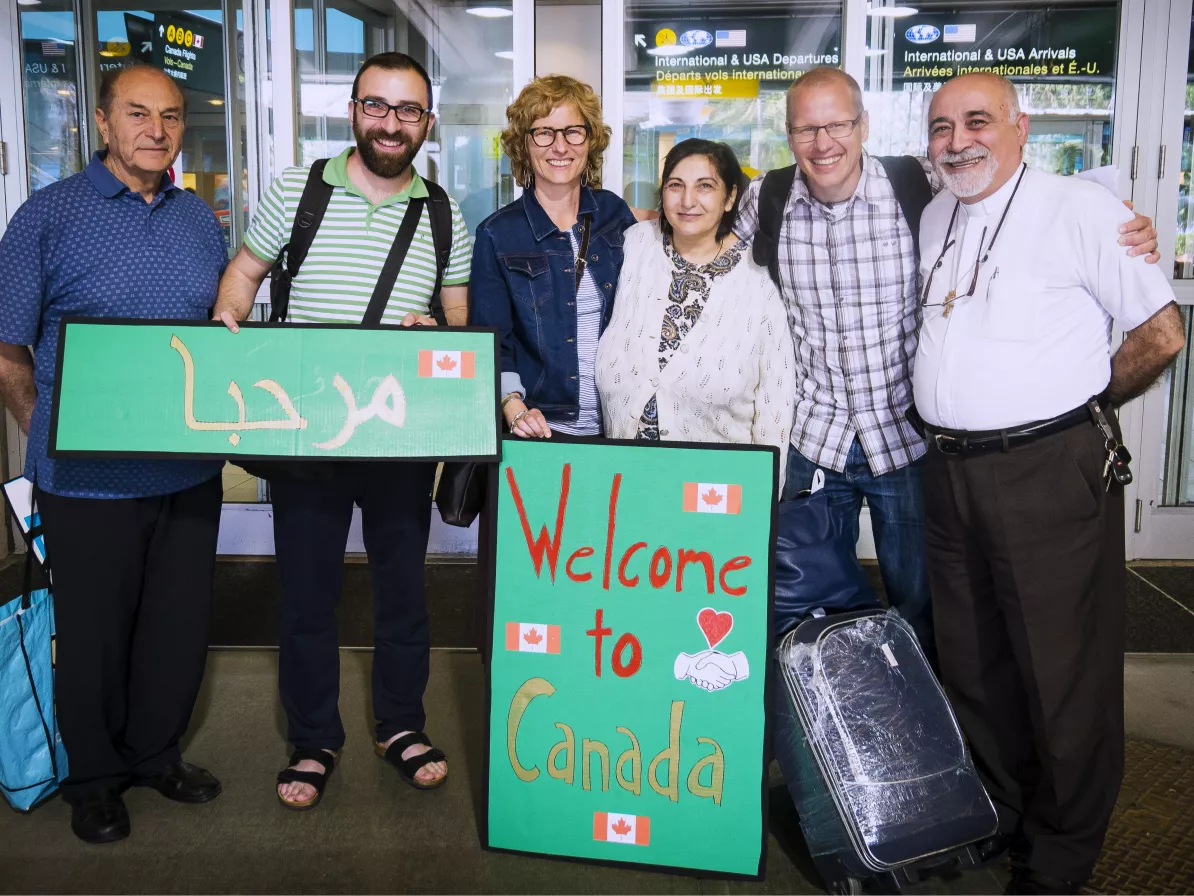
{"x": 369, "y": 190}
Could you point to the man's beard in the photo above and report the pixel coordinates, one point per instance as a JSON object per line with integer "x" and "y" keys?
{"x": 382, "y": 163}
{"x": 970, "y": 181}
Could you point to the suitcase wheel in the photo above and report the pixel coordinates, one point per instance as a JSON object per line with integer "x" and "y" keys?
{"x": 846, "y": 886}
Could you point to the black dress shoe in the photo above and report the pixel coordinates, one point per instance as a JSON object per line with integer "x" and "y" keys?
{"x": 100, "y": 818}
{"x": 991, "y": 849}
{"x": 183, "y": 783}
{"x": 1027, "y": 881}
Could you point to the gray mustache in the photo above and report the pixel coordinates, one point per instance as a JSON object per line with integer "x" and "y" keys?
{"x": 967, "y": 155}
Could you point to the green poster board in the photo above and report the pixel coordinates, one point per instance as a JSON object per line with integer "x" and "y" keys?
{"x": 630, "y": 643}
{"x": 187, "y": 389}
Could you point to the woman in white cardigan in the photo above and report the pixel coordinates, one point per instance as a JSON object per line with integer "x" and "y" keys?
{"x": 698, "y": 348}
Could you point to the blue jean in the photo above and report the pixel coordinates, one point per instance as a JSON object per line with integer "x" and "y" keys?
{"x": 896, "y": 500}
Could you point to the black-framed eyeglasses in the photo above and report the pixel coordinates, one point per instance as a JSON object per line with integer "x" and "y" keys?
{"x": 407, "y": 113}
{"x": 574, "y": 135}
{"x": 952, "y": 296}
{"x": 835, "y": 129}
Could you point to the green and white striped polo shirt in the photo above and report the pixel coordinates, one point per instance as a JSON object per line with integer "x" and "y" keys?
{"x": 340, "y": 272}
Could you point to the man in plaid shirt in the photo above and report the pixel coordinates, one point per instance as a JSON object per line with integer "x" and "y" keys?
{"x": 849, "y": 274}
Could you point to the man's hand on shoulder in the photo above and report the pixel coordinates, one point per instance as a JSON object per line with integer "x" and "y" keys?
{"x": 1140, "y": 236}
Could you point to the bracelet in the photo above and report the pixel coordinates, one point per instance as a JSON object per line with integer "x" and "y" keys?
{"x": 508, "y": 397}
{"x": 517, "y": 417}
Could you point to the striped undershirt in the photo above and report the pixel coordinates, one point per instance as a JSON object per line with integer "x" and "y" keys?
{"x": 589, "y": 305}
{"x": 338, "y": 277}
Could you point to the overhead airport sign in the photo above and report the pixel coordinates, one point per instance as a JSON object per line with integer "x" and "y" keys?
{"x": 1057, "y": 44}
{"x": 190, "y": 49}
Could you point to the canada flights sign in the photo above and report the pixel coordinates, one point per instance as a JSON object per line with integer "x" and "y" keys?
{"x": 630, "y": 616}
{"x": 190, "y": 49}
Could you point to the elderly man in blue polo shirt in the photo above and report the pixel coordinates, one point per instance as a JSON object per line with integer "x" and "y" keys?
{"x": 132, "y": 542}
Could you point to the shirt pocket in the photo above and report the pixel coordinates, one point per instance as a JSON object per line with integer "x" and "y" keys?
{"x": 1012, "y": 311}
{"x": 529, "y": 277}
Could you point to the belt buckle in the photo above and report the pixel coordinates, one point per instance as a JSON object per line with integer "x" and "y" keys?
{"x": 947, "y": 444}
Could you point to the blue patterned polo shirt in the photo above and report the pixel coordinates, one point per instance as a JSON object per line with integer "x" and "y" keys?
{"x": 89, "y": 246}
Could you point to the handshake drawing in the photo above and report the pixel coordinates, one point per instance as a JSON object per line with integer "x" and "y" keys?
{"x": 711, "y": 669}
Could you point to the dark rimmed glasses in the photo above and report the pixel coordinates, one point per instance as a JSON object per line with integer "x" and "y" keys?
{"x": 835, "y": 129}
{"x": 574, "y": 135}
{"x": 407, "y": 113}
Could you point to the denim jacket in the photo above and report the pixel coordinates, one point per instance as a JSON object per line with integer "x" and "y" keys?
{"x": 523, "y": 282}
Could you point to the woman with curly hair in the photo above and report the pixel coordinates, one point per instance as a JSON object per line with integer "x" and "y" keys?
{"x": 545, "y": 266}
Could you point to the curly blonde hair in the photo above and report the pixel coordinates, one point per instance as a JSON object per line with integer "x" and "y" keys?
{"x": 536, "y": 101}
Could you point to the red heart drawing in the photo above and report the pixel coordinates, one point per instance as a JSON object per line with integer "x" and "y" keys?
{"x": 714, "y": 625}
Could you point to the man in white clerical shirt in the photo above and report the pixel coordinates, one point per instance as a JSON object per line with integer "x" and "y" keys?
{"x": 1015, "y": 381}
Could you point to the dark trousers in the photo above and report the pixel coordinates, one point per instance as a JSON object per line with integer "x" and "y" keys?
{"x": 896, "y": 500}
{"x": 311, "y": 521}
{"x": 1026, "y": 561}
{"x": 132, "y": 600}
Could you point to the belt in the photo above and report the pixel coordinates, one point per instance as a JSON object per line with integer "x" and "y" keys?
{"x": 955, "y": 441}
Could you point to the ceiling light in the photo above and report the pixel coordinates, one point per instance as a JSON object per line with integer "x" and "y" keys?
{"x": 504, "y": 54}
{"x": 29, "y": 2}
{"x": 66, "y": 93}
{"x": 892, "y": 12}
{"x": 216, "y": 102}
{"x": 490, "y": 12}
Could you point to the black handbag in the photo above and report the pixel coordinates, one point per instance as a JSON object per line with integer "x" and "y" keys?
{"x": 460, "y": 495}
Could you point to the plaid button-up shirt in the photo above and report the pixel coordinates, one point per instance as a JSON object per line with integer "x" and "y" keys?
{"x": 849, "y": 276}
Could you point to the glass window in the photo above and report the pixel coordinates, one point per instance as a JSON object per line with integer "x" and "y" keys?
{"x": 49, "y": 62}
{"x": 718, "y": 71}
{"x": 194, "y": 47}
{"x": 468, "y": 52}
{"x": 1183, "y": 262}
{"x": 1060, "y": 56}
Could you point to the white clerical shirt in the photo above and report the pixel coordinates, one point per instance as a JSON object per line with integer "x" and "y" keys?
{"x": 1034, "y": 340}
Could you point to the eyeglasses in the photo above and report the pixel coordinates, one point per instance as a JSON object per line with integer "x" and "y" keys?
{"x": 835, "y": 129}
{"x": 952, "y": 296}
{"x": 406, "y": 112}
{"x": 574, "y": 135}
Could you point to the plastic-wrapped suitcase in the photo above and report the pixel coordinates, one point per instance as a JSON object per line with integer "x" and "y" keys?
{"x": 886, "y": 788}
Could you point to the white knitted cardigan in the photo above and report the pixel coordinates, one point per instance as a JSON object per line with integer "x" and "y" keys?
{"x": 733, "y": 377}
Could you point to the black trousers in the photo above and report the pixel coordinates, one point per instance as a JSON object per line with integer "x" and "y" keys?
{"x": 132, "y": 600}
{"x": 1026, "y": 565}
{"x": 311, "y": 521}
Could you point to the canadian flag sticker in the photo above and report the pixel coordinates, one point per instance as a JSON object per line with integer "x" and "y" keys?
{"x": 446, "y": 365}
{"x": 614, "y": 828}
{"x": 532, "y": 637}
{"x": 712, "y": 497}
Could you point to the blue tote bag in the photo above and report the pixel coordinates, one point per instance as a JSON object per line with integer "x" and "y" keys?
{"x": 816, "y": 569}
{"x": 32, "y": 756}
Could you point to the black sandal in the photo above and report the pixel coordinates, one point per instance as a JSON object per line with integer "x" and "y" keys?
{"x": 408, "y": 768}
{"x": 318, "y": 780}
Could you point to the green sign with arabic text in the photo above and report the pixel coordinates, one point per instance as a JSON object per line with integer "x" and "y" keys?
{"x": 150, "y": 388}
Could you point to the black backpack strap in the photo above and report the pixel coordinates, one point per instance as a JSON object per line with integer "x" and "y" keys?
{"x": 317, "y": 193}
{"x": 912, "y": 190}
{"x": 389, "y": 271}
{"x": 773, "y": 196}
{"x": 441, "y": 235}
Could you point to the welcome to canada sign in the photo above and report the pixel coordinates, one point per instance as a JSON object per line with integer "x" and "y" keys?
{"x": 628, "y": 674}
